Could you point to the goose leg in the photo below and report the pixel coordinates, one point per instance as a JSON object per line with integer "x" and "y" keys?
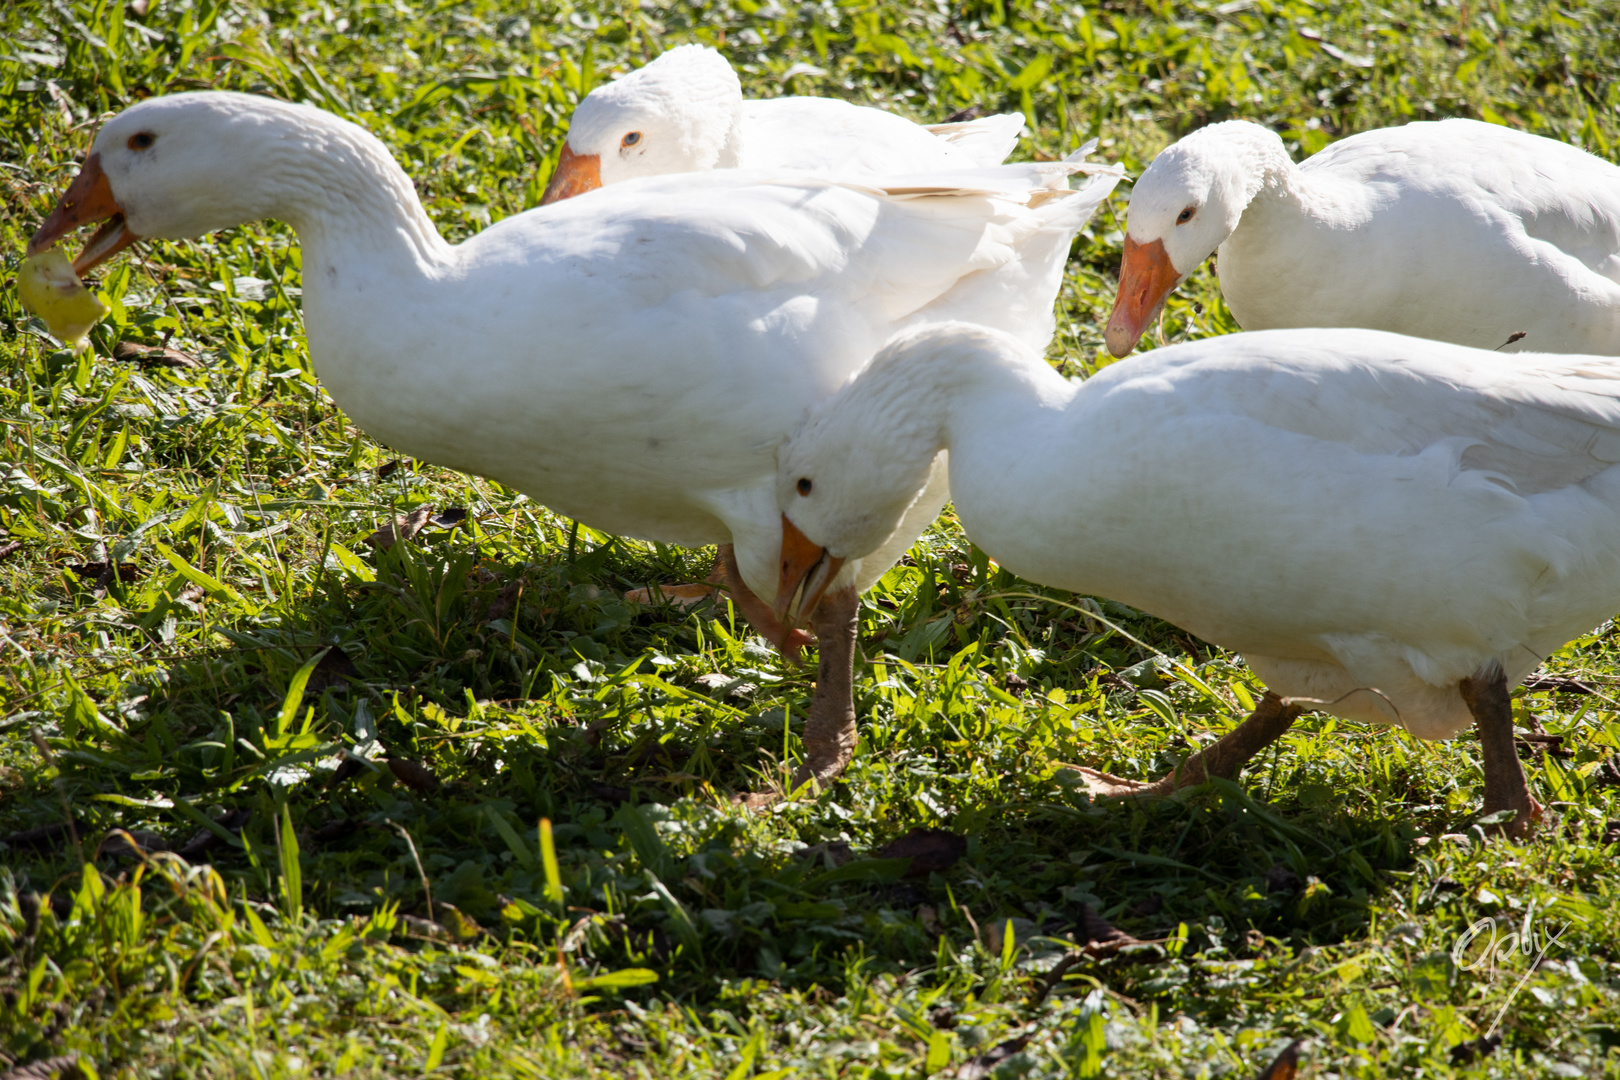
{"x": 1225, "y": 757}
{"x": 829, "y": 729}
{"x": 1486, "y": 696}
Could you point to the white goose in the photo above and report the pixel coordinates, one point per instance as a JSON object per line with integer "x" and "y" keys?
{"x": 1454, "y": 230}
{"x": 685, "y": 112}
{"x": 1389, "y": 529}
{"x": 631, "y": 359}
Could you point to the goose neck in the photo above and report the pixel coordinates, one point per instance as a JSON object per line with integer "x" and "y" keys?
{"x": 1270, "y": 174}
{"x": 346, "y": 197}
{"x": 956, "y": 386}
{"x": 1280, "y": 187}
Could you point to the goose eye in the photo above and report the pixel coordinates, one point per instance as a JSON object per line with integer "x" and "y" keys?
{"x": 631, "y": 139}
{"x": 1186, "y": 215}
{"x": 804, "y": 485}
{"x": 141, "y": 140}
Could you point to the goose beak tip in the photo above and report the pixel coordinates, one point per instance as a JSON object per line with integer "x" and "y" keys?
{"x": 575, "y": 175}
{"x": 807, "y": 570}
{"x": 1147, "y": 277}
{"x": 88, "y": 199}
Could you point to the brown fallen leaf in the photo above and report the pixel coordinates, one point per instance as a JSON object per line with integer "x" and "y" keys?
{"x": 1098, "y": 935}
{"x": 407, "y": 526}
{"x": 461, "y": 926}
{"x": 1280, "y": 879}
{"x": 756, "y": 800}
{"x": 596, "y": 729}
{"x": 102, "y": 573}
{"x": 417, "y": 777}
{"x": 977, "y": 1068}
{"x": 930, "y": 850}
{"x": 1286, "y": 1066}
{"x": 389, "y": 468}
{"x": 1148, "y": 906}
{"x": 403, "y": 528}
{"x": 1607, "y": 774}
{"x": 154, "y": 356}
{"x": 1464, "y": 1053}
{"x": 1542, "y": 743}
{"x": 504, "y": 603}
{"x": 99, "y": 575}
{"x": 726, "y": 685}
{"x": 1558, "y": 684}
{"x": 350, "y": 767}
{"x": 335, "y": 670}
{"x": 416, "y": 926}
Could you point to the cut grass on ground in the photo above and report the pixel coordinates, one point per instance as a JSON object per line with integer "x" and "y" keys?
{"x": 454, "y": 807}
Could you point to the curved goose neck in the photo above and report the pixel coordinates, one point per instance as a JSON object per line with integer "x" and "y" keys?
{"x": 942, "y": 387}
{"x": 1272, "y": 184}
{"x": 1258, "y": 163}
{"x": 975, "y": 392}
{"x": 346, "y": 197}
{"x": 1293, "y": 229}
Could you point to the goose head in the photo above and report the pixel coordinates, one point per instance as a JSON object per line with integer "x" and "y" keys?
{"x": 1184, "y": 206}
{"x": 187, "y": 164}
{"x": 680, "y": 113}
{"x": 847, "y": 476}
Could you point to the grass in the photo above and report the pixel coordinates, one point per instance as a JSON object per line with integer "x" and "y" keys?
{"x": 278, "y": 803}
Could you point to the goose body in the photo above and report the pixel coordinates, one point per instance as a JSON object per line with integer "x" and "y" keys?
{"x": 630, "y": 359}
{"x": 1455, "y": 230}
{"x": 685, "y": 112}
{"x": 1370, "y": 519}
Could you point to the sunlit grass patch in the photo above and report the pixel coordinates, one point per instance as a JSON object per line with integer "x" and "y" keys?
{"x": 284, "y": 814}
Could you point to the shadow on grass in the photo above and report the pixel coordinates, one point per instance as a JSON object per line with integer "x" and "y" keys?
{"x": 419, "y": 711}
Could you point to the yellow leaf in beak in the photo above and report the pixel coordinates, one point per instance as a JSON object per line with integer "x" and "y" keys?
{"x": 49, "y": 288}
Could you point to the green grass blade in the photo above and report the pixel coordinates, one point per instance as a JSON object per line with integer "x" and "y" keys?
{"x": 292, "y": 873}
{"x": 548, "y": 859}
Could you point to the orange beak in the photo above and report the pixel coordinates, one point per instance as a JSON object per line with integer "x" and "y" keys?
{"x": 576, "y": 174}
{"x": 1146, "y": 279}
{"x": 88, "y": 199}
{"x": 807, "y": 570}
